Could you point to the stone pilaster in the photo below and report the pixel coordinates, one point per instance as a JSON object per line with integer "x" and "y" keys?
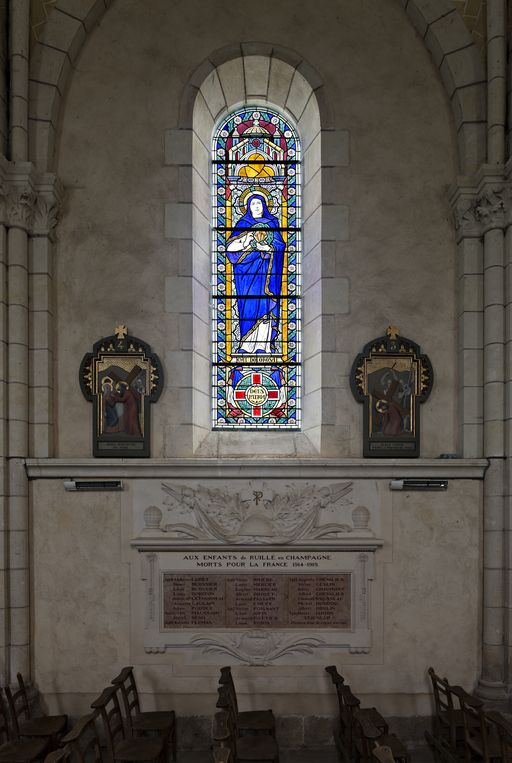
{"x": 483, "y": 215}
{"x": 28, "y": 212}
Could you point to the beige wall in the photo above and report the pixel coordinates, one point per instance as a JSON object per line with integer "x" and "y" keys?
{"x": 112, "y": 259}
{"x": 112, "y": 256}
{"x": 426, "y": 604}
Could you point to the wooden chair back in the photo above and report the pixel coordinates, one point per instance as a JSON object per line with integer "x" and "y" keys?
{"x": 225, "y": 702}
{"x": 351, "y": 705}
{"x": 224, "y": 735}
{"x": 107, "y": 705}
{"x": 476, "y": 728}
{"x": 125, "y": 681}
{"x": 83, "y": 740}
{"x": 5, "y": 731}
{"x": 504, "y": 730}
{"x": 226, "y": 679}
{"x": 444, "y": 708}
{"x": 365, "y": 733}
{"x": 338, "y": 682}
{"x": 18, "y": 704}
{"x": 336, "y": 677}
{"x": 441, "y": 748}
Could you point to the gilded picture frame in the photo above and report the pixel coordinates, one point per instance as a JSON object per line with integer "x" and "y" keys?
{"x": 121, "y": 377}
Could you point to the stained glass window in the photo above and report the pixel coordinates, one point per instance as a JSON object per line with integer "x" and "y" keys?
{"x": 256, "y": 272}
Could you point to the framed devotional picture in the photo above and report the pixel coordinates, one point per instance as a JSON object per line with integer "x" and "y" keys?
{"x": 391, "y": 378}
{"x": 121, "y": 377}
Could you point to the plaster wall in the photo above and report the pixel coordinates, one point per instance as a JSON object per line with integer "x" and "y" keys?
{"x": 426, "y": 601}
{"x": 393, "y": 262}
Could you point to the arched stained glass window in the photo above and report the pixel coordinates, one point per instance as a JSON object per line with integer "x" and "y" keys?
{"x": 256, "y": 185}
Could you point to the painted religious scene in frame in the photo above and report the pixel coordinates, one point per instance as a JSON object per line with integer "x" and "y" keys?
{"x": 256, "y": 272}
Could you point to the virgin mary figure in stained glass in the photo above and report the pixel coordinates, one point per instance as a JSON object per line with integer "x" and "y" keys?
{"x": 255, "y": 249}
{"x": 256, "y": 264}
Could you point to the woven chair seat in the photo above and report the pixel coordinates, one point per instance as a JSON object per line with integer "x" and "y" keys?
{"x": 263, "y": 747}
{"x": 44, "y": 726}
{"x": 257, "y": 720}
{"x": 154, "y": 720}
{"x": 139, "y": 748}
{"x": 373, "y": 715}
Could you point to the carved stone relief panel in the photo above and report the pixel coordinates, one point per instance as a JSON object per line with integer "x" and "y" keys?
{"x": 274, "y": 512}
{"x": 257, "y": 607}
{"x": 261, "y": 571}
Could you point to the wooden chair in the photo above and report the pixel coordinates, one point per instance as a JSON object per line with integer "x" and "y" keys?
{"x": 119, "y": 746}
{"x": 50, "y": 727}
{"x": 383, "y": 754}
{"x": 257, "y": 747}
{"x": 251, "y": 721}
{"x": 336, "y": 677}
{"x": 441, "y": 749}
{"x": 224, "y": 742}
{"x": 221, "y": 754}
{"x": 160, "y": 721}
{"x": 481, "y": 737}
{"x": 83, "y": 742}
{"x": 367, "y": 736}
{"x": 19, "y": 750}
{"x": 62, "y": 755}
{"x": 448, "y": 720}
{"x": 352, "y": 705}
{"x": 341, "y": 735}
{"x": 504, "y": 730}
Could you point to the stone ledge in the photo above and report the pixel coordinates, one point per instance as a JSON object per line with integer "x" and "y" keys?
{"x": 260, "y": 468}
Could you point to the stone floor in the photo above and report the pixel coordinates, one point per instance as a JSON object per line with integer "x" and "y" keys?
{"x": 325, "y": 755}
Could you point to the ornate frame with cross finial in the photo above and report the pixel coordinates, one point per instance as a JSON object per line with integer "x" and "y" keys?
{"x": 121, "y": 377}
{"x": 391, "y": 377}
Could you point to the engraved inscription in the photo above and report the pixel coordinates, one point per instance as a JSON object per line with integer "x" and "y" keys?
{"x": 256, "y": 601}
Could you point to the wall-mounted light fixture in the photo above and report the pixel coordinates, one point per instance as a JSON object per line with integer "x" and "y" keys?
{"x": 418, "y": 484}
{"x": 92, "y": 485}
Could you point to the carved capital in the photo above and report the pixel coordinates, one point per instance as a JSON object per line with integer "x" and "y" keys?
{"x": 481, "y": 204}
{"x": 20, "y": 208}
{"x": 50, "y": 194}
{"x": 28, "y": 200}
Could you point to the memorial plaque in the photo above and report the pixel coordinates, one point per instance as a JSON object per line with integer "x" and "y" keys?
{"x": 256, "y": 601}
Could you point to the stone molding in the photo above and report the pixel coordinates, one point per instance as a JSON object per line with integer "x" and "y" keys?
{"x": 29, "y": 200}
{"x": 261, "y": 468}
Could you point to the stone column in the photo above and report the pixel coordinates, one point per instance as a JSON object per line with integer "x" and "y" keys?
{"x": 496, "y": 80}
{"x": 494, "y": 675}
{"x": 4, "y": 501}
{"x": 20, "y": 206}
{"x": 480, "y": 205}
{"x": 19, "y": 37}
{"x": 41, "y": 354}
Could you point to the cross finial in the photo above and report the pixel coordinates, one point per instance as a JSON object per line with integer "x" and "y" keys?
{"x": 392, "y": 332}
{"x": 120, "y": 331}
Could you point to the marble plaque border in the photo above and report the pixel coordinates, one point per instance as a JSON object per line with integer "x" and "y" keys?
{"x": 259, "y": 646}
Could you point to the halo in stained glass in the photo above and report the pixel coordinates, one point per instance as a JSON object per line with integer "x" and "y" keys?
{"x": 256, "y": 197}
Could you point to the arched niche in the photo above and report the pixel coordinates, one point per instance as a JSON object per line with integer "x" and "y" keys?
{"x": 261, "y": 77}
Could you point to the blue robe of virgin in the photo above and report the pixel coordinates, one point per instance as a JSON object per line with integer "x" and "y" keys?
{"x": 258, "y": 275}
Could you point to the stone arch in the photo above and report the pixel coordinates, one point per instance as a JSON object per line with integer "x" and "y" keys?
{"x": 292, "y": 69}
{"x": 462, "y": 71}
{"x": 52, "y": 60}
{"x": 437, "y": 22}
{"x": 260, "y": 74}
